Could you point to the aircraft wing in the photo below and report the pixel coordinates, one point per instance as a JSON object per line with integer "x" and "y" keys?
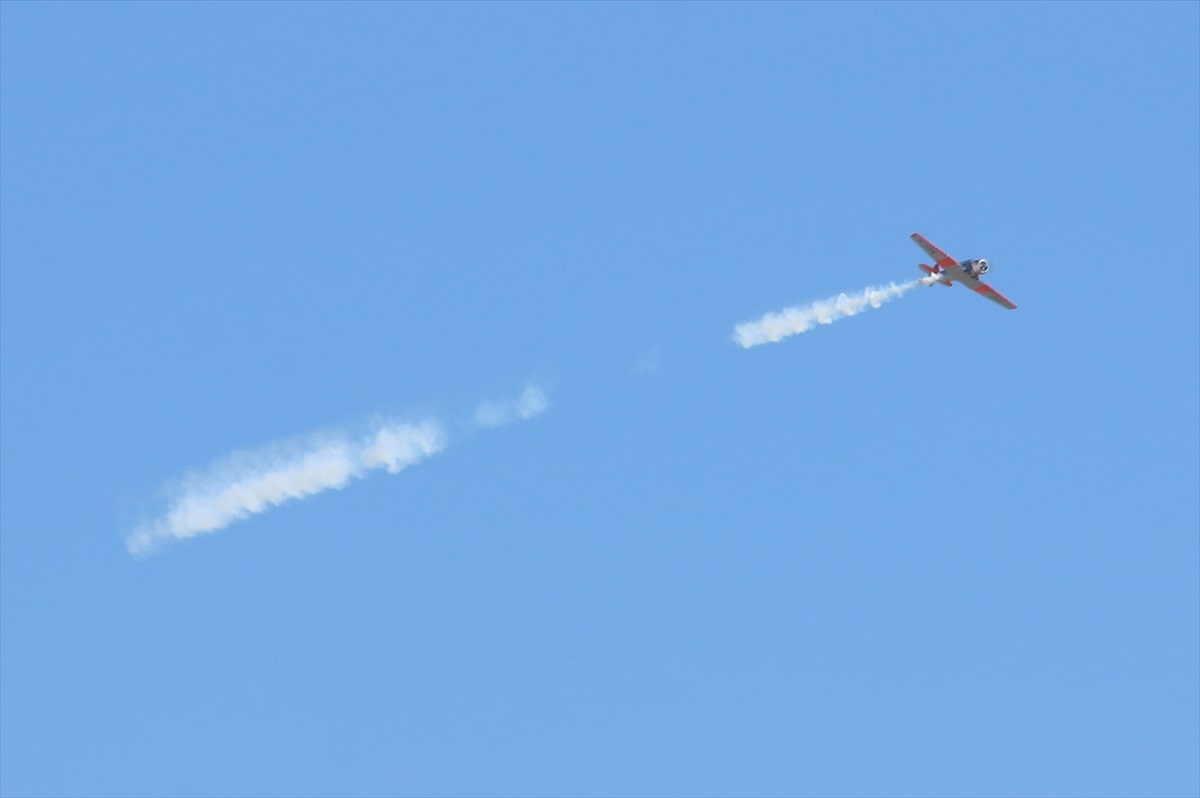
{"x": 941, "y": 258}
{"x": 985, "y": 290}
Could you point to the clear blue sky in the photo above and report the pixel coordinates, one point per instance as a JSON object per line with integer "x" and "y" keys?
{"x": 937, "y": 549}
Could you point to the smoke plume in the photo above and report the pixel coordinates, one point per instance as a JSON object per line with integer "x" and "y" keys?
{"x": 248, "y": 483}
{"x": 774, "y": 327}
{"x": 253, "y": 482}
{"x": 532, "y": 402}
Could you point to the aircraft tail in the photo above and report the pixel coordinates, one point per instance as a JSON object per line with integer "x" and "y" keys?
{"x": 932, "y": 272}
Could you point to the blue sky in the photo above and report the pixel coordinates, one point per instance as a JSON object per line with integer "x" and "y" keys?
{"x": 939, "y": 548}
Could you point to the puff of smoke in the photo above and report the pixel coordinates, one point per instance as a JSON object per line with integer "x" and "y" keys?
{"x": 531, "y": 403}
{"x": 252, "y": 482}
{"x": 774, "y": 327}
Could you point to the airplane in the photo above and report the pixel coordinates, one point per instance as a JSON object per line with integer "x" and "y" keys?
{"x": 948, "y": 271}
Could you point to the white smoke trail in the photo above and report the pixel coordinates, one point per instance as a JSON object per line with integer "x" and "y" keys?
{"x": 252, "y": 482}
{"x": 532, "y": 402}
{"x": 774, "y": 327}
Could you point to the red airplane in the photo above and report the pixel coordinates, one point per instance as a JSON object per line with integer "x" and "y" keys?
{"x": 947, "y": 271}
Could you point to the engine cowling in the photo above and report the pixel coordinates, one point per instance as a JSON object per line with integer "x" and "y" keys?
{"x": 980, "y": 266}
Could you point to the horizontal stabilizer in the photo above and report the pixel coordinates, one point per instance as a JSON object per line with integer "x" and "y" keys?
{"x": 934, "y": 272}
